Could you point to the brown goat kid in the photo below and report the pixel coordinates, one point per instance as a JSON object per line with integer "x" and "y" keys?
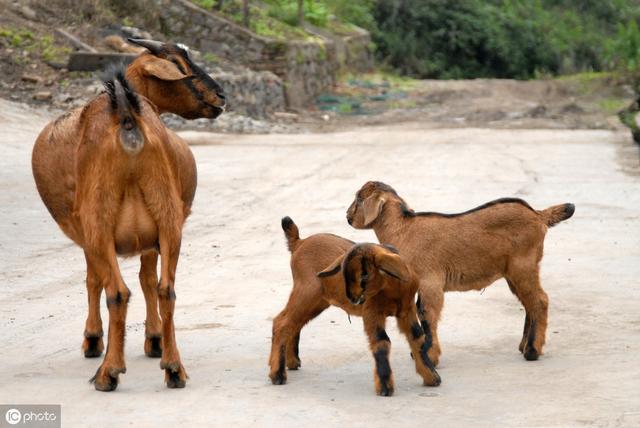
{"x": 118, "y": 182}
{"x": 466, "y": 251}
{"x": 375, "y": 283}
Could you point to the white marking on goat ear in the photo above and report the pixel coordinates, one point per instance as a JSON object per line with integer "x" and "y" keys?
{"x": 183, "y": 46}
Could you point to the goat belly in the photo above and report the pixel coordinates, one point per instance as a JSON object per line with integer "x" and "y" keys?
{"x": 136, "y": 231}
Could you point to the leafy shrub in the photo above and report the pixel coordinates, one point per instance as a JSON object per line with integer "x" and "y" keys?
{"x": 497, "y": 38}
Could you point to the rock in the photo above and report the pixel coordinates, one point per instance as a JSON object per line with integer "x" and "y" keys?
{"x": 63, "y": 97}
{"x": 42, "y": 96}
{"x": 27, "y": 12}
{"x": 31, "y": 78}
{"x": 283, "y": 115}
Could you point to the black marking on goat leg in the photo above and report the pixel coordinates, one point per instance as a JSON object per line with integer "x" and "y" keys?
{"x": 416, "y": 330}
{"x": 118, "y": 299}
{"x": 420, "y": 307}
{"x": 156, "y": 347}
{"x": 381, "y": 335}
{"x": 296, "y": 346}
{"x": 424, "y": 354}
{"x": 525, "y": 332}
{"x": 530, "y": 353}
{"x": 383, "y": 369}
{"x": 92, "y": 350}
{"x": 279, "y": 378}
{"x": 428, "y": 338}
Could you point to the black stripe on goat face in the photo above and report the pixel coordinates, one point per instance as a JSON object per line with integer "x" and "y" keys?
{"x": 209, "y": 94}
{"x": 357, "y": 272}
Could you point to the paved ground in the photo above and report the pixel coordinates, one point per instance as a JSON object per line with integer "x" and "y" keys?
{"x": 233, "y": 277}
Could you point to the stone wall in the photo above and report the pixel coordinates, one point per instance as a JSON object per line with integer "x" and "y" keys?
{"x": 353, "y": 52}
{"x": 306, "y": 68}
{"x": 250, "y": 93}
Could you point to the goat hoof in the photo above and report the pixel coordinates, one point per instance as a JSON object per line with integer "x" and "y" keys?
{"x": 435, "y": 381}
{"x": 530, "y": 354}
{"x": 174, "y": 380}
{"x": 385, "y": 391}
{"x": 278, "y": 379}
{"x": 153, "y": 346}
{"x": 175, "y": 376}
{"x": 294, "y": 365}
{"x": 92, "y": 346}
{"x": 106, "y": 379}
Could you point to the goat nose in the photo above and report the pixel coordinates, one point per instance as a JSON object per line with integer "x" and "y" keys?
{"x": 349, "y": 220}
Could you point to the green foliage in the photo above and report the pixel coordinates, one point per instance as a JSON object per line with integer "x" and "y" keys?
{"x": 207, "y": 4}
{"x": 623, "y": 51}
{"x": 23, "y": 38}
{"x": 260, "y": 22}
{"x": 498, "y": 38}
{"x": 315, "y": 12}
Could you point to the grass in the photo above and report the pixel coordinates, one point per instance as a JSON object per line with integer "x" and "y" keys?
{"x": 612, "y": 105}
{"x": 43, "y": 47}
{"x": 259, "y": 21}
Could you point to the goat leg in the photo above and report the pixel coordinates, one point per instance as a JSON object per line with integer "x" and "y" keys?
{"x": 106, "y": 269}
{"x": 380, "y": 344}
{"x": 175, "y": 374}
{"x": 420, "y": 343}
{"x": 153, "y": 325}
{"x": 93, "y": 345}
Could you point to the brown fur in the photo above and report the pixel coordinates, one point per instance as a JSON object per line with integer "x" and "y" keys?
{"x": 467, "y": 251}
{"x": 113, "y": 202}
{"x": 330, "y": 270}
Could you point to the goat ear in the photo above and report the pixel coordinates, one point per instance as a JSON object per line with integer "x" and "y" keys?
{"x": 332, "y": 269}
{"x": 162, "y": 69}
{"x": 372, "y": 207}
{"x": 393, "y": 265}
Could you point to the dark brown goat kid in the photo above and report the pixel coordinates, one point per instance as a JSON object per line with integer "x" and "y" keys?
{"x": 118, "y": 182}
{"x": 367, "y": 280}
{"x": 466, "y": 251}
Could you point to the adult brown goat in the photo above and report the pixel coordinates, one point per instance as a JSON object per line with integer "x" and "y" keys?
{"x": 118, "y": 182}
{"x": 375, "y": 283}
{"x": 466, "y": 251}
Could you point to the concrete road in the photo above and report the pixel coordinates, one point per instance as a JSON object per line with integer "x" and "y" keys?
{"x": 233, "y": 277}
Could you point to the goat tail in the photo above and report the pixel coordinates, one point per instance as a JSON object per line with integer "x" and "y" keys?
{"x": 291, "y": 233}
{"x": 126, "y": 105}
{"x": 557, "y": 213}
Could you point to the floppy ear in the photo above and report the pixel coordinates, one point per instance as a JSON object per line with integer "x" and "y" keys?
{"x": 393, "y": 265}
{"x": 332, "y": 269}
{"x": 162, "y": 69}
{"x": 372, "y": 207}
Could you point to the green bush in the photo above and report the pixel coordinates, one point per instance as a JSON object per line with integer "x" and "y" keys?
{"x": 315, "y": 12}
{"x": 497, "y": 38}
